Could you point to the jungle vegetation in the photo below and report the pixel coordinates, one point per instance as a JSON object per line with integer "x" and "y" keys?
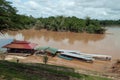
{"x": 11, "y": 20}
{"x": 72, "y": 24}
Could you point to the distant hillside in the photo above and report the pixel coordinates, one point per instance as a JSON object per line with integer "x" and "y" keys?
{"x": 19, "y": 71}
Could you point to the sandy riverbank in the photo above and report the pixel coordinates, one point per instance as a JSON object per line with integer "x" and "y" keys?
{"x": 97, "y": 65}
{"x": 100, "y": 68}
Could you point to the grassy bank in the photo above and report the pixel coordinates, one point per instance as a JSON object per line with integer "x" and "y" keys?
{"x": 20, "y": 71}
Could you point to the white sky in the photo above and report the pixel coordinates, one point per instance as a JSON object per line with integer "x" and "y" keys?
{"x": 97, "y": 9}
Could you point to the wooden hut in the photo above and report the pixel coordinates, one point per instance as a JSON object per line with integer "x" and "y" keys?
{"x": 20, "y": 47}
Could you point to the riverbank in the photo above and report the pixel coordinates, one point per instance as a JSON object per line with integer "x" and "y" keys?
{"x": 94, "y": 69}
{"x": 77, "y": 64}
{"x": 33, "y": 71}
{"x": 107, "y": 44}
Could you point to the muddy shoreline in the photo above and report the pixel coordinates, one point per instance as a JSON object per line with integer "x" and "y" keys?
{"x": 95, "y": 69}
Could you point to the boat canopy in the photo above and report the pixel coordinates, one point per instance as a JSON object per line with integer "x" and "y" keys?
{"x": 73, "y": 51}
{"x": 48, "y": 49}
{"x": 88, "y": 58}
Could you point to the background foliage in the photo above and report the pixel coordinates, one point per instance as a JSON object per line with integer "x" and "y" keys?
{"x": 10, "y": 20}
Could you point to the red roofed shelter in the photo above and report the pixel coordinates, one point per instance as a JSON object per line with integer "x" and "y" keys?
{"x": 20, "y": 47}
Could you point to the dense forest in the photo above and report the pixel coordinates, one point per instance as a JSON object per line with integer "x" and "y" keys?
{"x": 11, "y": 20}
{"x": 73, "y": 24}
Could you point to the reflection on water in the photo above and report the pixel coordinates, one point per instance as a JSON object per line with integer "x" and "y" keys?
{"x": 7, "y": 36}
{"x": 91, "y": 43}
{"x": 58, "y": 36}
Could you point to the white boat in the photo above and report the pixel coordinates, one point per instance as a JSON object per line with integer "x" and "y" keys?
{"x": 98, "y": 56}
{"x": 63, "y": 50}
{"x": 95, "y": 56}
{"x": 78, "y": 56}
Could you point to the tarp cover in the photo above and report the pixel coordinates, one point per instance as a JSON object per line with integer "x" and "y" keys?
{"x": 49, "y": 49}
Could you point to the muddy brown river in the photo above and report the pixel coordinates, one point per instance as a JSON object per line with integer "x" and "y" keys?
{"x": 108, "y": 43}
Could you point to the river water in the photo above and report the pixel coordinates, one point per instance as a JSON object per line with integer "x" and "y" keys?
{"x": 108, "y": 43}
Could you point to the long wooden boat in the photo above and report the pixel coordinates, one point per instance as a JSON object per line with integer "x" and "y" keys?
{"x": 95, "y": 56}
{"x": 98, "y": 56}
{"x": 65, "y": 57}
{"x": 78, "y": 56}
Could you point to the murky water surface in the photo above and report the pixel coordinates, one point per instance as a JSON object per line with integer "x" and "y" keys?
{"x": 108, "y": 43}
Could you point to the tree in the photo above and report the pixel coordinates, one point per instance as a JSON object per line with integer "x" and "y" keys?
{"x": 87, "y": 21}
{"x": 45, "y": 58}
{"x": 6, "y": 13}
{"x": 10, "y": 20}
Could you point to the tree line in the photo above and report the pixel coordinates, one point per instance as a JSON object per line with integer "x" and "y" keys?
{"x": 10, "y": 20}
{"x": 72, "y": 24}
{"x": 109, "y": 22}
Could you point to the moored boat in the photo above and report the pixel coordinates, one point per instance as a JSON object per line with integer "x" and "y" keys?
{"x": 78, "y": 56}
{"x": 95, "y": 56}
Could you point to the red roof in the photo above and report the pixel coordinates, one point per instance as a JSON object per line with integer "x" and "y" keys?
{"x": 21, "y": 45}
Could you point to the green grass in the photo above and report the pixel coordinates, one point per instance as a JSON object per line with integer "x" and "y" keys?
{"x": 29, "y": 71}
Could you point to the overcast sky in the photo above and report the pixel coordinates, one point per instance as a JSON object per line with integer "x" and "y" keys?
{"x": 97, "y": 9}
